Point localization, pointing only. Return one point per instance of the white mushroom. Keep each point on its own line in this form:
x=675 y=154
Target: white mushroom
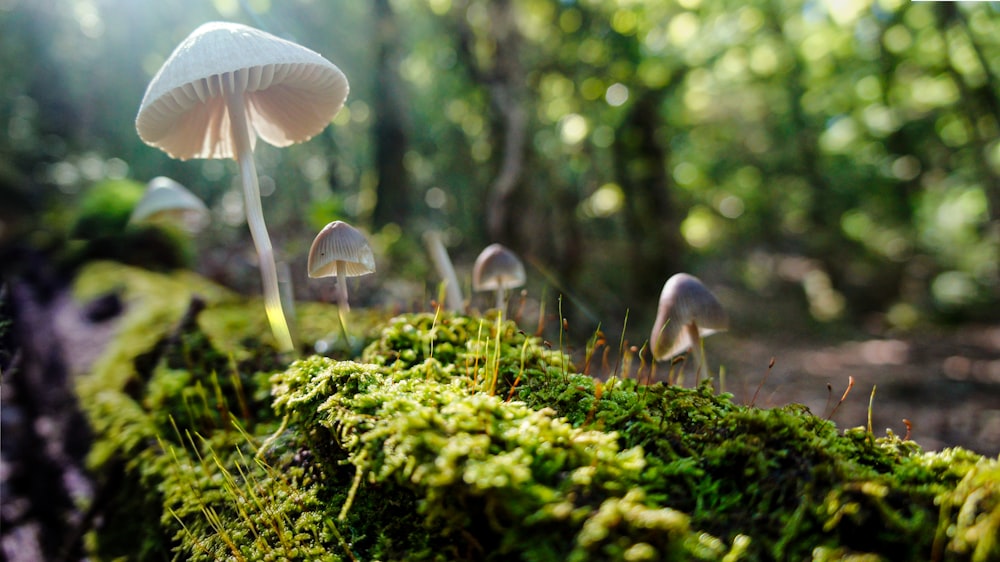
x=168 y=202
x=340 y=250
x=221 y=88
x=687 y=312
x=497 y=269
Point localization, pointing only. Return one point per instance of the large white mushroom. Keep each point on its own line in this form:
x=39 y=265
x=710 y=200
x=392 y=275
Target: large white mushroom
x=687 y=312
x=227 y=84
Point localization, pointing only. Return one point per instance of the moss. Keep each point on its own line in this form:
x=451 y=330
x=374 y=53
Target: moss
x=497 y=478
x=105 y=208
x=158 y=370
x=461 y=438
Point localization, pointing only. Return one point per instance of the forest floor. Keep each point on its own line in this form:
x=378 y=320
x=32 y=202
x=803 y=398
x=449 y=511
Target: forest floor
x=946 y=383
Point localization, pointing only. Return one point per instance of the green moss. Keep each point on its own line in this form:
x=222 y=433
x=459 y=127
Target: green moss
x=458 y=438
x=105 y=208
x=497 y=478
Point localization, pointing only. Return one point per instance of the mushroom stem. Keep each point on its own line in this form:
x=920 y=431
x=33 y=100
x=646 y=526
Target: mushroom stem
x=696 y=350
x=342 y=286
x=500 y=300
x=439 y=255
x=286 y=291
x=255 y=220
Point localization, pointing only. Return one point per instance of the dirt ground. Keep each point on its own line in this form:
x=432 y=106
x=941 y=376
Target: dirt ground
x=945 y=383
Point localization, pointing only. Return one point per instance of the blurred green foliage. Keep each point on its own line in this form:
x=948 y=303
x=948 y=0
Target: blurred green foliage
x=105 y=208
x=846 y=151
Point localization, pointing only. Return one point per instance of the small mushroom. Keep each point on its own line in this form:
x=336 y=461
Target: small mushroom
x=340 y=250
x=497 y=269
x=170 y=203
x=221 y=88
x=687 y=312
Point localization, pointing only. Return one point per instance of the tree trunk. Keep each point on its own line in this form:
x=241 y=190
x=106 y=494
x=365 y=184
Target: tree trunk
x=507 y=94
x=393 y=199
x=652 y=222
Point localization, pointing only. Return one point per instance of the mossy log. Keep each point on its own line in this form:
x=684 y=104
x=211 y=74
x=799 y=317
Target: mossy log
x=461 y=438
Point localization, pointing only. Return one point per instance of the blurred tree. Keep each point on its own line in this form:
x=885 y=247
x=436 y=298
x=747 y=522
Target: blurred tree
x=493 y=59
x=392 y=192
x=651 y=218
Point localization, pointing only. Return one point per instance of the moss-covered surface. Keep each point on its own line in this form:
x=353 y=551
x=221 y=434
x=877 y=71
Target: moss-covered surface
x=458 y=438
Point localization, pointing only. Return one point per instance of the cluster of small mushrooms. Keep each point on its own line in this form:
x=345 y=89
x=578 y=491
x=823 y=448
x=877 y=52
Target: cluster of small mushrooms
x=227 y=84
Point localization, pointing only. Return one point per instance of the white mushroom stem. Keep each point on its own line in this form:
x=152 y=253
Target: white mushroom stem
x=696 y=350
x=439 y=255
x=255 y=219
x=500 y=300
x=342 y=286
x=287 y=291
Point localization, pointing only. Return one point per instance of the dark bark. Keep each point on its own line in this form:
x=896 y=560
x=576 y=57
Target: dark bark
x=46 y=437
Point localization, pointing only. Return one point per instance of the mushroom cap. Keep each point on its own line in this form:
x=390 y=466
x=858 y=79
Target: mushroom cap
x=167 y=202
x=685 y=300
x=340 y=242
x=497 y=268
x=291 y=93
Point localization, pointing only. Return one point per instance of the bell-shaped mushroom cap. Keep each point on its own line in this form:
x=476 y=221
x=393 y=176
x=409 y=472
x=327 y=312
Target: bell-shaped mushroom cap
x=497 y=268
x=291 y=93
x=685 y=300
x=340 y=242
x=167 y=202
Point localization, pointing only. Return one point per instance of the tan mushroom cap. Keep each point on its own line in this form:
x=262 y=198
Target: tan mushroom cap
x=291 y=93
x=166 y=201
x=340 y=242
x=497 y=268
x=685 y=300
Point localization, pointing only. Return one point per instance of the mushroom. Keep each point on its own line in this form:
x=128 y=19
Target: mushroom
x=688 y=312
x=340 y=250
x=499 y=269
x=221 y=88
x=168 y=202
x=439 y=255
